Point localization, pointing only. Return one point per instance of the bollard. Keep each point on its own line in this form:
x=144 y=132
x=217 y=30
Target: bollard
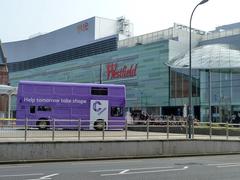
x=210 y=132
x=53 y=129
x=193 y=130
x=147 y=129
x=79 y=129
x=25 y=129
x=227 y=131
x=126 y=129
x=103 y=131
x=167 y=128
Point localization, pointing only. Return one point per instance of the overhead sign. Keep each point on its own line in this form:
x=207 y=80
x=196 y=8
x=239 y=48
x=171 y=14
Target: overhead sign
x=114 y=72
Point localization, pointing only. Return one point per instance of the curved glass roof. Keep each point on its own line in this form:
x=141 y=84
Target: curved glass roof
x=214 y=56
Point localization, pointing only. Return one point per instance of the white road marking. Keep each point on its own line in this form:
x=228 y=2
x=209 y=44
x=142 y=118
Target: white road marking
x=45 y=177
x=122 y=172
x=223 y=164
x=145 y=172
x=230 y=165
x=108 y=170
x=20 y=175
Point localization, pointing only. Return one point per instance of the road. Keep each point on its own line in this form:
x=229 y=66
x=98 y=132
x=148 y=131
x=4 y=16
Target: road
x=179 y=168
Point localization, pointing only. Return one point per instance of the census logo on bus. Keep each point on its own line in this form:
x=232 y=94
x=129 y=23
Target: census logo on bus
x=97 y=107
x=99 y=110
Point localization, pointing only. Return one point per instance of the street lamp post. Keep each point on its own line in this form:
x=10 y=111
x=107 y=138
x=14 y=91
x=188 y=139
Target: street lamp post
x=190 y=116
x=100 y=74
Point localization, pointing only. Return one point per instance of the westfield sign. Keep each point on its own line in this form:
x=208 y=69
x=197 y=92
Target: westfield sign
x=113 y=71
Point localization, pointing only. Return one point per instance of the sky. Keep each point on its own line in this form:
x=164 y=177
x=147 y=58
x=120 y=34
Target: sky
x=20 y=19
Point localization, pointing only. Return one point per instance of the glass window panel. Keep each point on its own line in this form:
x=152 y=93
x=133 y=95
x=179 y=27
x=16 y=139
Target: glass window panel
x=225 y=85
x=215 y=86
x=235 y=87
x=204 y=86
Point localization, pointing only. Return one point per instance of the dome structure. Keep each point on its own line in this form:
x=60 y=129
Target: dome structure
x=214 y=56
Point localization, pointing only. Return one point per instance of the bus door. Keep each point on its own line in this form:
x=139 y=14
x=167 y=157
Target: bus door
x=98 y=114
x=31 y=115
x=44 y=112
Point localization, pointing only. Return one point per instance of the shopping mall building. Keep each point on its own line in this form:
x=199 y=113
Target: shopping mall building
x=154 y=67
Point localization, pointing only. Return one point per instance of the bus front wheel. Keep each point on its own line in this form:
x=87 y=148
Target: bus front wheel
x=42 y=124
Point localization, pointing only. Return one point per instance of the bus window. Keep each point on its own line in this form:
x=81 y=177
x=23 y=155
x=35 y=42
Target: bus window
x=116 y=111
x=32 y=109
x=44 y=108
x=99 y=91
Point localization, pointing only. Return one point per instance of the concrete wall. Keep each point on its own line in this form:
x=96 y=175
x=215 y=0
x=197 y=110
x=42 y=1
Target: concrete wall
x=45 y=151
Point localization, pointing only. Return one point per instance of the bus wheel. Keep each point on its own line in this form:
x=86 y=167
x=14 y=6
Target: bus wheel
x=99 y=125
x=42 y=124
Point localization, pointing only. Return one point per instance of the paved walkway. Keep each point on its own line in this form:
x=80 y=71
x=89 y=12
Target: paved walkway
x=12 y=135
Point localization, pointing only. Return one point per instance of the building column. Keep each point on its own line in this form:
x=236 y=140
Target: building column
x=160 y=110
x=209 y=96
x=9 y=105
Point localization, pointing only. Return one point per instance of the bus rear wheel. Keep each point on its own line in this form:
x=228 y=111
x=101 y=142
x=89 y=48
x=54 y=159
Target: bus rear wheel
x=42 y=124
x=99 y=124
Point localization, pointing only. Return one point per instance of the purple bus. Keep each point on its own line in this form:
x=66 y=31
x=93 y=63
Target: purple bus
x=90 y=106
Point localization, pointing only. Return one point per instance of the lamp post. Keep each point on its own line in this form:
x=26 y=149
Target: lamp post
x=190 y=116
x=100 y=74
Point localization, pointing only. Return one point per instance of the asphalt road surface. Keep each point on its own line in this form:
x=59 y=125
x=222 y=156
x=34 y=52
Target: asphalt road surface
x=179 y=168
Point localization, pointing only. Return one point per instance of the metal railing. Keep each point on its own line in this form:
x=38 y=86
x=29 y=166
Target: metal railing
x=221 y=34
x=147 y=38
x=83 y=130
